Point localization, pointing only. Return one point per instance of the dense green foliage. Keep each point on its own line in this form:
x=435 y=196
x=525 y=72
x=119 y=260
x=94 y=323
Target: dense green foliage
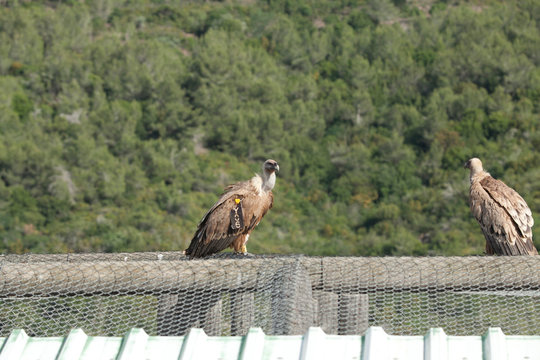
x=122 y=120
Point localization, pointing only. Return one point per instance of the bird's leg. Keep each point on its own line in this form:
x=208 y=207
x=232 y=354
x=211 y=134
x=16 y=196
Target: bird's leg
x=244 y=247
x=239 y=244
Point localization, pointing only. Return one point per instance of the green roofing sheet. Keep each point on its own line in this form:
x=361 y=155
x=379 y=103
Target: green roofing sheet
x=314 y=344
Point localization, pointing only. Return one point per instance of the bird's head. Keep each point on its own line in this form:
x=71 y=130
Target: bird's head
x=474 y=164
x=270 y=166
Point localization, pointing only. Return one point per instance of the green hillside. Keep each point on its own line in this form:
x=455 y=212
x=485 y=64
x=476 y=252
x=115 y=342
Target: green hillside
x=122 y=120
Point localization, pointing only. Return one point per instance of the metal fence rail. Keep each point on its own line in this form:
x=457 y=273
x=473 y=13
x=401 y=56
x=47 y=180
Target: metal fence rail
x=166 y=294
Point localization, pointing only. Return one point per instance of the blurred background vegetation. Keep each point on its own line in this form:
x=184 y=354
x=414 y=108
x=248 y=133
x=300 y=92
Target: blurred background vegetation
x=122 y=120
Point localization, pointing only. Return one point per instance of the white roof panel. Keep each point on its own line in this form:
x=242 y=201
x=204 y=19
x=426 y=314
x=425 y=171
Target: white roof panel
x=376 y=344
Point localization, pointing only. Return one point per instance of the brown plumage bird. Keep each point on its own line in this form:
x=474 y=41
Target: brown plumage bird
x=232 y=218
x=504 y=217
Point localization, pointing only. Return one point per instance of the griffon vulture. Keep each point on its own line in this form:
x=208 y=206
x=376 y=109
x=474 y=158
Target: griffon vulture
x=232 y=218
x=504 y=216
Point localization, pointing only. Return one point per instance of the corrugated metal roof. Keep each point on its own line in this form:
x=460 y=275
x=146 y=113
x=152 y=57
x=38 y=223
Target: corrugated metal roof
x=314 y=344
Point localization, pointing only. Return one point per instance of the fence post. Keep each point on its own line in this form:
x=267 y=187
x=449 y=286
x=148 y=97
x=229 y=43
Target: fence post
x=327 y=311
x=242 y=312
x=212 y=320
x=177 y=313
x=292 y=304
x=165 y=314
x=353 y=314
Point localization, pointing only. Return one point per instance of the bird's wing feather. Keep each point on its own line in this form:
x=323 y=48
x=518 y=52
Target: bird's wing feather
x=504 y=217
x=239 y=188
x=214 y=232
x=511 y=201
x=255 y=207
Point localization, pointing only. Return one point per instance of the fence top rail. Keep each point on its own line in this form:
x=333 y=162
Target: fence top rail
x=179 y=256
x=90 y=274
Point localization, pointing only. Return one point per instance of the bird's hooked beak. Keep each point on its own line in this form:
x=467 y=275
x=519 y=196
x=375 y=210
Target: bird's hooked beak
x=271 y=165
x=467 y=164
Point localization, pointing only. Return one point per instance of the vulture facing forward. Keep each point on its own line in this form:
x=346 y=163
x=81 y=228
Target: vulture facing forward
x=504 y=216
x=232 y=218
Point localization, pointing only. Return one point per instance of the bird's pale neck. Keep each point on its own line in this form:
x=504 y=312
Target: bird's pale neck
x=269 y=180
x=477 y=174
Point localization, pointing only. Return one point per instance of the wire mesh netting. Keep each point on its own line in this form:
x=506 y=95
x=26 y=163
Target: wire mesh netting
x=166 y=294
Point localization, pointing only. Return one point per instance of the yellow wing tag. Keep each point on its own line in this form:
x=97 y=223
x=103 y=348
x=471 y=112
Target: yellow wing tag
x=237 y=218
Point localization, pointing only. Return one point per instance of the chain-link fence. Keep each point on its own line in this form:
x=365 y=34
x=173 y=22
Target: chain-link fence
x=166 y=294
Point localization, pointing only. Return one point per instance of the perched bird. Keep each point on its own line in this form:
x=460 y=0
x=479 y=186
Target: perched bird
x=504 y=216
x=232 y=218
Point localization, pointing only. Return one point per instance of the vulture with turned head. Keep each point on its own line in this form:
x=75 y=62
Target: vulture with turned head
x=504 y=216
x=231 y=219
